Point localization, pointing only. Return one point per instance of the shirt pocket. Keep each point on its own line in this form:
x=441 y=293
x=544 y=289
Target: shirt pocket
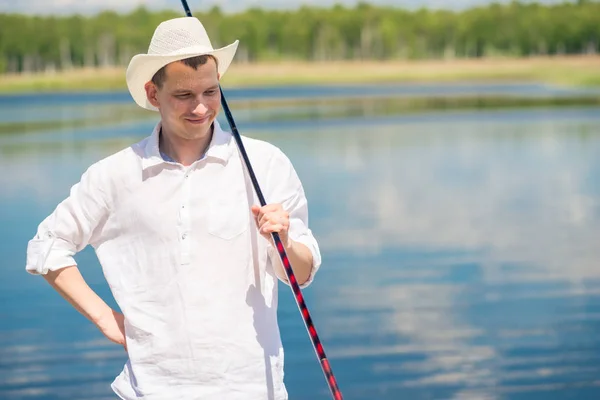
x=228 y=217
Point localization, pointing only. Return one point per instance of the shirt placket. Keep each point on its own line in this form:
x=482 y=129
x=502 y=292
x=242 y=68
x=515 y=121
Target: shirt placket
x=185 y=228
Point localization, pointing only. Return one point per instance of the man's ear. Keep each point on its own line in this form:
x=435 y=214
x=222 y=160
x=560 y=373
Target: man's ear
x=152 y=93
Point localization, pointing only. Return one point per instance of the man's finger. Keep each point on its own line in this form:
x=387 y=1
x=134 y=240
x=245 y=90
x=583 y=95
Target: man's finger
x=272 y=228
x=266 y=227
x=274 y=218
x=268 y=217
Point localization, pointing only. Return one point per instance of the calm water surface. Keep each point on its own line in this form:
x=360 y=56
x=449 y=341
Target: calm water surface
x=460 y=242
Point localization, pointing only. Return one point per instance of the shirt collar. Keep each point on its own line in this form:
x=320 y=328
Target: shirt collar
x=220 y=146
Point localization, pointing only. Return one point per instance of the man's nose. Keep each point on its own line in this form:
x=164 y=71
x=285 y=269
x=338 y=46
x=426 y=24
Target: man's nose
x=201 y=108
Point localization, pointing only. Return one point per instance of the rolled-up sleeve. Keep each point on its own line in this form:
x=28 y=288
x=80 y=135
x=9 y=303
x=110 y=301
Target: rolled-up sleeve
x=286 y=188
x=74 y=223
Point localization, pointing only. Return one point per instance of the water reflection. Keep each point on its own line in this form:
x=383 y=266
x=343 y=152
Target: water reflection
x=531 y=200
x=466 y=229
x=22 y=114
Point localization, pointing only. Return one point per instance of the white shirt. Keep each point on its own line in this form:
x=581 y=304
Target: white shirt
x=182 y=256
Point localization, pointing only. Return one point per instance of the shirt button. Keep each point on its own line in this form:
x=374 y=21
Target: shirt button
x=184 y=236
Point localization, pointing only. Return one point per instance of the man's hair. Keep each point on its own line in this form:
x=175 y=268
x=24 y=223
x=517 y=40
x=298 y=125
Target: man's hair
x=194 y=62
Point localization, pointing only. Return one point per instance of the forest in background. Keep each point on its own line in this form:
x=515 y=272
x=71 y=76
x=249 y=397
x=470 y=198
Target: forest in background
x=364 y=32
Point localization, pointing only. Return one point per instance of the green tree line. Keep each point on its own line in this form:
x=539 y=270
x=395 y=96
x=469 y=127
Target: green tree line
x=36 y=43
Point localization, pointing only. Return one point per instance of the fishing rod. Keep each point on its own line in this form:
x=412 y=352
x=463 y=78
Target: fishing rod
x=316 y=342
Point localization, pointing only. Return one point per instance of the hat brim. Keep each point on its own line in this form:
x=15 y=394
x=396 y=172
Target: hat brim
x=142 y=68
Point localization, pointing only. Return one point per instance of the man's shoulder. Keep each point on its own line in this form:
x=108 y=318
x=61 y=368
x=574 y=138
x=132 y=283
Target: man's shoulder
x=120 y=158
x=126 y=159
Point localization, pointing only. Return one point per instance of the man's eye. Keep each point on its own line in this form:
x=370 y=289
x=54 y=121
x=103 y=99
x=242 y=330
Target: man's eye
x=182 y=96
x=211 y=92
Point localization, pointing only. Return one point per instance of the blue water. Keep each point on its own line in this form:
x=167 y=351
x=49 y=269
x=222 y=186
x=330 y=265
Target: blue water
x=460 y=247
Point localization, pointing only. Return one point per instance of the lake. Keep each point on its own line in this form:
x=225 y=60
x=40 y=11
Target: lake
x=459 y=226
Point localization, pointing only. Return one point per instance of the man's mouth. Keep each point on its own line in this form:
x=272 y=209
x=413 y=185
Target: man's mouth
x=198 y=120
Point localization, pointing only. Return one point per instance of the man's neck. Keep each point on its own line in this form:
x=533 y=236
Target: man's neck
x=185 y=152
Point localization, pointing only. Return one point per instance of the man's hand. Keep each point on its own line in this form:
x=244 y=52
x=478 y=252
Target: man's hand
x=71 y=285
x=112 y=325
x=272 y=218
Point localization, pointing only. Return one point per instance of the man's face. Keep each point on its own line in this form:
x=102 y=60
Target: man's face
x=188 y=100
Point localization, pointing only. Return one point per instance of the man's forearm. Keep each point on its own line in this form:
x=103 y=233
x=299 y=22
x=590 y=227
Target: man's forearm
x=301 y=260
x=71 y=286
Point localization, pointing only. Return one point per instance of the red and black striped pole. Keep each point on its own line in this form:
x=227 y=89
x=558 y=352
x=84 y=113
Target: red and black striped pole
x=316 y=342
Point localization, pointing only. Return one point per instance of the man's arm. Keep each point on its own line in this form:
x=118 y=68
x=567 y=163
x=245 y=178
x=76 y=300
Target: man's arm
x=73 y=288
x=287 y=214
x=273 y=218
x=301 y=260
x=76 y=222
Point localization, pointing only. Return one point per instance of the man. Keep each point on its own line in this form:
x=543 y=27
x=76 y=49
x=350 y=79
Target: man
x=184 y=247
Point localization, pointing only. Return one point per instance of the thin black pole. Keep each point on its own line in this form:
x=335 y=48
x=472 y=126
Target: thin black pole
x=316 y=342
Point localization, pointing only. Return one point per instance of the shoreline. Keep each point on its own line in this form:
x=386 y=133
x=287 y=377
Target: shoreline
x=572 y=71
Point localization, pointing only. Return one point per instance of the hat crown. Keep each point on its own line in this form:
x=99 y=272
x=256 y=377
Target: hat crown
x=177 y=34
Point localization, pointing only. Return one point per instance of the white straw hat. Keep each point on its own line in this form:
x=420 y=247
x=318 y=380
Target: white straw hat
x=173 y=40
